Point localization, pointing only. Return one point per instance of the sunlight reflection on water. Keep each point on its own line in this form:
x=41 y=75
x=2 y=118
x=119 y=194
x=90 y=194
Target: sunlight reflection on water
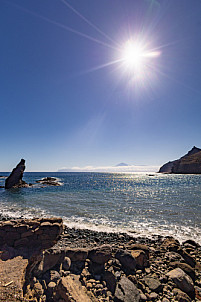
x=165 y=204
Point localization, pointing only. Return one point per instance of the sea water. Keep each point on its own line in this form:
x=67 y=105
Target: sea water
x=139 y=204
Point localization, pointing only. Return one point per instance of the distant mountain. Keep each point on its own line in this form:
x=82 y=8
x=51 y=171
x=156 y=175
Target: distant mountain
x=190 y=163
x=122 y=165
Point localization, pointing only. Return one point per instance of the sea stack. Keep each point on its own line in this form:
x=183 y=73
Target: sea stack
x=190 y=163
x=14 y=180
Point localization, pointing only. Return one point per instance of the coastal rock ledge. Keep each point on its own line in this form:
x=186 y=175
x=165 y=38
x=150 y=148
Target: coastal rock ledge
x=190 y=163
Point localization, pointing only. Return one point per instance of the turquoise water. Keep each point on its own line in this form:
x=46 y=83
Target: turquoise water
x=140 y=204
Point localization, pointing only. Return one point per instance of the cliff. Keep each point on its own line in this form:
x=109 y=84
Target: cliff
x=190 y=163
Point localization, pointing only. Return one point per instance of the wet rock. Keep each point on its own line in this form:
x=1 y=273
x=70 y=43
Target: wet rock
x=182 y=280
x=126 y=291
x=101 y=254
x=49 y=181
x=141 y=258
x=126 y=259
x=153 y=284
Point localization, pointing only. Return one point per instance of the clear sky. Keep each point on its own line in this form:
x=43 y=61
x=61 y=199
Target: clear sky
x=70 y=95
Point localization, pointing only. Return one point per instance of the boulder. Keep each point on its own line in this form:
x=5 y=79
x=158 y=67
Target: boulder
x=181 y=296
x=110 y=280
x=142 y=247
x=96 y=268
x=153 y=283
x=141 y=258
x=182 y=280
x=173 y=256
x=191 y=242
x=76 y=254
x=101 y=254
x=188 y=258
x=49 y=259
x=70 y=289
x=15 y=178
x=126 y=259
x=186 y=268
x=170 y=243
x=126 y=291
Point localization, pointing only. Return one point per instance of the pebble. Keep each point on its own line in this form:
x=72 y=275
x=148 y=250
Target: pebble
x=160 y=260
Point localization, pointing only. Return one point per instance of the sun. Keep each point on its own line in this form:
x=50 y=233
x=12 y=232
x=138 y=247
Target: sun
x=132 y=55
x=135 y=58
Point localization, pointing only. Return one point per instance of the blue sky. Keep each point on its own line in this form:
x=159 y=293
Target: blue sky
x=59 y=108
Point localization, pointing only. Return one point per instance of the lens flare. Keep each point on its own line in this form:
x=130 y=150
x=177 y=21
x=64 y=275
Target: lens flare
x=136 y=58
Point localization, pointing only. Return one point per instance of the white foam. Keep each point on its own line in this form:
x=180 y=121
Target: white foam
x=138 y=229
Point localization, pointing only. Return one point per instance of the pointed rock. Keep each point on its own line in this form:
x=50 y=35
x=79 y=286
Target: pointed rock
x=15 y=178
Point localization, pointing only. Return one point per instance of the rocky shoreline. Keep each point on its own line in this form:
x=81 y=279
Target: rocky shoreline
x=85 y=265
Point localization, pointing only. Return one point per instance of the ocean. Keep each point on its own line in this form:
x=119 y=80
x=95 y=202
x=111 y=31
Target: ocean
x=140 y=204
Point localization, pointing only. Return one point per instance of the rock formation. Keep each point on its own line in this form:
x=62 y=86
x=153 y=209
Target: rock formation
x=187 y=164
x=15 y=178
x=49 y=181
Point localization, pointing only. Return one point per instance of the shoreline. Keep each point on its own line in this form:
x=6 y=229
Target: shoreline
x=110 y=231
x=101 y=266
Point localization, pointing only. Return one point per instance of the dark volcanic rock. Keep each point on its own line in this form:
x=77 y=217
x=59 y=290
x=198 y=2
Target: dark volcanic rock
x=153 y=283
x=126 y=291
x=182 y=280
x=101 y=254
x=167 y=168
x=15 y=178
x=49 y=181
x=126 y=259
x=187 y=164
x=186 y=268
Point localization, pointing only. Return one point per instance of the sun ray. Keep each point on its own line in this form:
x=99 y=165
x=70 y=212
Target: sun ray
x=65 y=2
x=67 y=28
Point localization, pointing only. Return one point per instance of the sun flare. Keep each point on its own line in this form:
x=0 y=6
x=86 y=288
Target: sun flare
x=136 y=58
x=132 y=55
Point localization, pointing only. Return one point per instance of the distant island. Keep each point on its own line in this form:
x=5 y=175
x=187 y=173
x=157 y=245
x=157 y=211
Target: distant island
x=190 y=163
x=122 y=165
